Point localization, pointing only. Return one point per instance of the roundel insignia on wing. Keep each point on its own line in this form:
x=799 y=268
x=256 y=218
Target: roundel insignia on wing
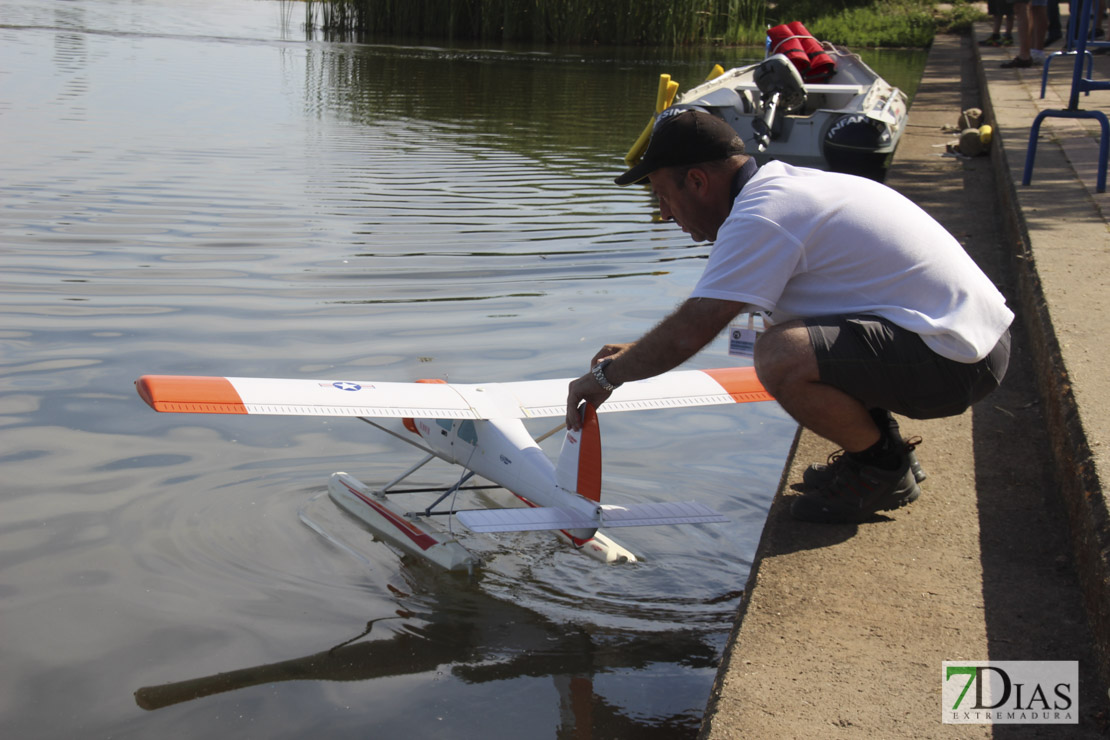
x=344 y=385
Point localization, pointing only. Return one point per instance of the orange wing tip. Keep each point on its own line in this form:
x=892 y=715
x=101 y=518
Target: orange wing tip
x=740 y=383
x=190 y=395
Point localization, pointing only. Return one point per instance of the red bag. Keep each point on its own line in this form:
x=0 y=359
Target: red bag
x=821 y=65
x=803 y=50
x=785 y=41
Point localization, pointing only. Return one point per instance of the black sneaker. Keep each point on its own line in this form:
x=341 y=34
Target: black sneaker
x=856 y=492
x=821 y=474
x=1017 y=63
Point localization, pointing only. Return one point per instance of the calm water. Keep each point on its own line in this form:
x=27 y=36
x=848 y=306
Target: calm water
x=191 y=187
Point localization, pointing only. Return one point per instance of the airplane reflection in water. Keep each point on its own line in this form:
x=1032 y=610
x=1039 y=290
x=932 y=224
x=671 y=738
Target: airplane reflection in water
x=483 y=639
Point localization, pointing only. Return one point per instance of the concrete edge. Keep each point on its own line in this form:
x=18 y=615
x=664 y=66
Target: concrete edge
x=1080 y=487
x=774 y=515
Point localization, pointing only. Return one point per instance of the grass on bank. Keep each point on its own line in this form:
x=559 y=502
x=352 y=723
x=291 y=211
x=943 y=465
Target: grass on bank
x=886 y=23
x=854 y=23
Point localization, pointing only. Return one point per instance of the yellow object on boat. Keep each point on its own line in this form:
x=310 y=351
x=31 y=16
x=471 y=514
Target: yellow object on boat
x=985 y=133
x=638 y=148
x=716 y=72
x=664 y=96
x=672 y=89
x=661 y=93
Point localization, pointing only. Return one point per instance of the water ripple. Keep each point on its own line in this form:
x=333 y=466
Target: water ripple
x=189 y=187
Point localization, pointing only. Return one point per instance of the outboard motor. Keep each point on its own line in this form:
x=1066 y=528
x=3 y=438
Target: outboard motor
x=782 y=90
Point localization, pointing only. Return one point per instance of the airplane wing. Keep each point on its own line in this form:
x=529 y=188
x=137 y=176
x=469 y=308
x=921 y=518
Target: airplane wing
x=513 y=400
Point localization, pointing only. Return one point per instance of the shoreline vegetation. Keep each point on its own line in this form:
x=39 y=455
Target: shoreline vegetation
x=853 y=23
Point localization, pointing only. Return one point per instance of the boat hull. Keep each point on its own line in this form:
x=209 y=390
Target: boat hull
x=850 y=123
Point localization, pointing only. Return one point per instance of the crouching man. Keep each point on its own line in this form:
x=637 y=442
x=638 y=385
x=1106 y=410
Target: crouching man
x=872 y=307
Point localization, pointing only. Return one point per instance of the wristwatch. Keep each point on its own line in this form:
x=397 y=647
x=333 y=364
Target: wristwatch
x=599 y=376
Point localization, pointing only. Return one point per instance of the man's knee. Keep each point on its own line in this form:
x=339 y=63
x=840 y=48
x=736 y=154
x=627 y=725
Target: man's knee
x=784 y=355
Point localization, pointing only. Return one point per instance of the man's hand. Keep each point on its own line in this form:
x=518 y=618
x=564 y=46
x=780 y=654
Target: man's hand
x=612 y=351
x=587 y=388
x=673 y=341
x=582 y=389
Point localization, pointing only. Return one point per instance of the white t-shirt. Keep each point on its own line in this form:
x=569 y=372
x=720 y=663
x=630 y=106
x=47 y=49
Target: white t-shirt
x=802 y=243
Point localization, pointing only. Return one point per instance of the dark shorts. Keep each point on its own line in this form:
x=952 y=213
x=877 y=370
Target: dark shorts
x=887 y=367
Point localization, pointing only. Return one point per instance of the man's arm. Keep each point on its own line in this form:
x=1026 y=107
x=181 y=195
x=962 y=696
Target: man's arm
x=674 y=340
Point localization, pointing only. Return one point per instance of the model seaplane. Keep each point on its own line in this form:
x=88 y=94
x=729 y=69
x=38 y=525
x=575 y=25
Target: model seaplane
x=481 y=428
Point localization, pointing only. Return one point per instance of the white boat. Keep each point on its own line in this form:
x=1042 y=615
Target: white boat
x=850 y=122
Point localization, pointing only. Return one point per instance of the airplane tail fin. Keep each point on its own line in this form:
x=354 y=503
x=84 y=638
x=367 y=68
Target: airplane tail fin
x=579 y=466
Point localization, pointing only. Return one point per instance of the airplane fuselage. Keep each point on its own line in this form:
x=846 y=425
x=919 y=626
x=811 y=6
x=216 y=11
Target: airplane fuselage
x=503 y=451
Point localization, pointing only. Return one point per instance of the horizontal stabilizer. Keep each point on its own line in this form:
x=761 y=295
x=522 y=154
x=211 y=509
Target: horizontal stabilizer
x=636 y=515
x=523 y=520
x=667 y=512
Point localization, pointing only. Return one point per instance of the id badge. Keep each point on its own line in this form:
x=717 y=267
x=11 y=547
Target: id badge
x=741 y=339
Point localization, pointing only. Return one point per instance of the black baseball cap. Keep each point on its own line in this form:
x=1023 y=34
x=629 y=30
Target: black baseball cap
x=684 y=136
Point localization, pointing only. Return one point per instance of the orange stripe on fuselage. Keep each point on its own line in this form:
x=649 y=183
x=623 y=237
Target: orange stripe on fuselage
x=740 y=383
x=190 y=395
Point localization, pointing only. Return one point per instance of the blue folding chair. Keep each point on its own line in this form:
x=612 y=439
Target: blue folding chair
x=1070 y=39
x=1079 y=84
